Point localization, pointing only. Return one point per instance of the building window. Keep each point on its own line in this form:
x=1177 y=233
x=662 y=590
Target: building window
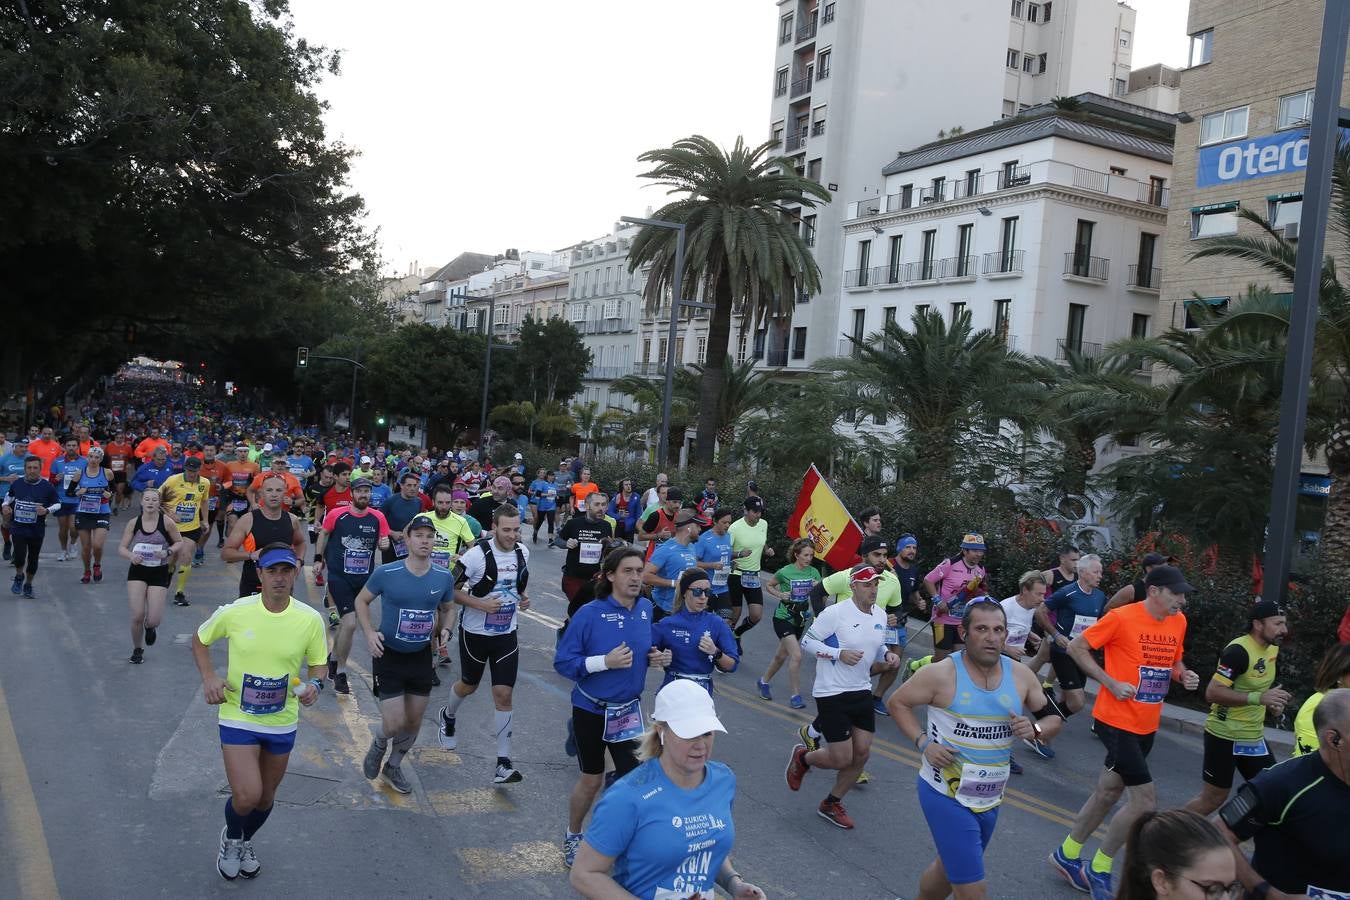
x=1148 y=251
x=972 y=182
x=1044 y=57
x=958 y=308
x=785 y=30
x=906 y=196
x=1124 y=38
x=701 y=348
x=1002 y=319
x=1013 y=58
x=1117 y=170
x=829 y=13
x=1227 y=125
x=780 y=82
x=864 y=260
x=799 y=343
x=740 y=348
x=1295 y=110
x=1008 y=174
x=813 y=170
x=1122 y=87
x=1028 y=63
x=965 y=263
x=1017 y=9
x=894 y=259
x=1139 y=326
x=929 y=252
x=1082 y=248
x=888 y=316
x=1007 y=244
x=1199 y=311
x=823 y=65
x=809 y=230
x=1045 y=12
x=1073 y=333
x=663 y=348
x=1033 y=12
x=1211 y=221
x=1202 y=47
x=679 y=351
x=939 y=189
x=920 y=309
x=778 y=132
x=1009 y=109
x=1287 y=210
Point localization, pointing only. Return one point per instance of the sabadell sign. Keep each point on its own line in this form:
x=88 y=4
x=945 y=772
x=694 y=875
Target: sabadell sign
x=1277 y=154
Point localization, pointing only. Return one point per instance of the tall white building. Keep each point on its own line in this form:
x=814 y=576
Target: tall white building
x=604 y=302
x=858 y=80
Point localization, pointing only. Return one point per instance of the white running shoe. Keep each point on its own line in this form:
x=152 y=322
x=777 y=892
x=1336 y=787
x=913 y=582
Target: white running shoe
x=506 y=775
x=228 y=860
x=446 y=733
x=248 y=861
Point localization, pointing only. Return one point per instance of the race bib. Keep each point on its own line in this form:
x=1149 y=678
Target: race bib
x=356 y=562
x=149 y=553
x=239 y=479
x=892 y=637
x=400 y=549
x=551 y=493
x=623 y=723
x=1153 y=684
x=1081 y=624
x=590 y=553
x=440 y=558
x=749 y=579
x=90 y=502
x=414 y=625
x=499 y=622
x=262 y=696
x=799 y=590
x=212 y=503
x=1316 y=893
x=1250 y=748
x=117 y=465
x=186 y=512
x=1017 y=636
x=25 y=512
x=981 y=786
x=238 y=506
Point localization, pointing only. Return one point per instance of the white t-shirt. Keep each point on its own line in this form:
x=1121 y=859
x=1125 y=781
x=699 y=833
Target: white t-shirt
x=1019 y=622
x=852 y=630
x=475 y=621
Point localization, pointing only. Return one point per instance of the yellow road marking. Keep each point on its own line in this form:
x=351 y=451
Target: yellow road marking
x=516 y=861
x=474 y=800
x=20 y=819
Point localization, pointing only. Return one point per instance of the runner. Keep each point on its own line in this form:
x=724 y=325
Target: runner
x=1143 y=644
x=452 y=531
x=791 y=586
x=1136 y=590
x=749 y=537
x=978 y=704
x=699 y=641
x=1240 y=691
x=1177 y=854
x=338 y=495
x=93 y=513
x=851 y=636
x=46 y=448
x=1295 y=814
x=544 y=490
x=186 y=497
x=624 y=509
x=11 y=470
x=66 y=473
x=671 y=558
x=1066 y=572
x=215 y=471
x=27 y=506
x=293 y=499
x=491 y=588
x=837 y=588
x=1020 y=611
x=459 y=505
x=379 y=491
x=659 y=525
x=268 y=524
x=346 y=548
x=652 y=495
x=145 y=450
x=1332 y=672
x=584 y=537
x=242 y=472
x=951 y=584
x=270 y=636
x=606 y=650
x=415 y=604
x=581 y=489
x=314 y=491
x=121 y=460
x=151 y=542
x=399 y=510
x=152 y=472
x=907 y=570
x=1076 y=607
x=713 y=550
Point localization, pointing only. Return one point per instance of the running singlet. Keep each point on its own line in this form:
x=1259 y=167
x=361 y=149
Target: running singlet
x=503 y=621
x=266 y=650
x=241 y=473
x=185 y=501
x=93 y=487
x=117 y=455
x=352 y=539
x=1246 y=667
x=66 y=473
x=1140 y=650
x=408 y=603
x=152 y=546
x=745 y=536
x=977 y=729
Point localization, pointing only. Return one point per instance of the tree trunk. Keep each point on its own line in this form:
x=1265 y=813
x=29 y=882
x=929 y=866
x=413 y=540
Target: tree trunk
x=1335 y=541
x=714 y=372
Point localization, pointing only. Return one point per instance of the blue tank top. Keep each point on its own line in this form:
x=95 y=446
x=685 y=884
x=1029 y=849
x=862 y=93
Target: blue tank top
x=91 y=501
x=977 y=727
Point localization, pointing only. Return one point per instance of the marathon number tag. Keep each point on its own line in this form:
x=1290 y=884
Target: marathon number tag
x=590 y=553
x=1316 y=893
x=749 y=579
x=1153 y=684
x=400 y=548
x=891 y=636
x=262 y=696
x=212 y=503
x=356 y=562
x=118 y=465
x=623 y=723
x=90 y=502
x=799 y=590
x=981 y=786
x=25 y=512
x=185 y=512
x=414 y=625
x=149 y=553
x=440 y=558
x=1250 y=748
x=1081 y=624
x=499 y=622
x=238 y=506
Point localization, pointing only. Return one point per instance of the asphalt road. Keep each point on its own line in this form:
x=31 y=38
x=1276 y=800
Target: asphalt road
x=111 y=782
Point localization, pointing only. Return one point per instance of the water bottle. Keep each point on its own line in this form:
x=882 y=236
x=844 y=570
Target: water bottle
x=297 y=686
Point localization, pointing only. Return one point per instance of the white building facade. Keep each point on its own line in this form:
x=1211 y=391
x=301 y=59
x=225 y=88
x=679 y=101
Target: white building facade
x=604 y=302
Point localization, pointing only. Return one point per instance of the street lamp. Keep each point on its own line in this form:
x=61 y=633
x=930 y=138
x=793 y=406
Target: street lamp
x=302 y=358
x=487 y=369
x=677 y=302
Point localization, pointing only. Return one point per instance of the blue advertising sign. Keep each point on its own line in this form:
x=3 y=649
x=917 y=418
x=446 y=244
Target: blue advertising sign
x=1276 y=154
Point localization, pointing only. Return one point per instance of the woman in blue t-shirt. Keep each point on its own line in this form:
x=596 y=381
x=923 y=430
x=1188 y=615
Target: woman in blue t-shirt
x=665 y=829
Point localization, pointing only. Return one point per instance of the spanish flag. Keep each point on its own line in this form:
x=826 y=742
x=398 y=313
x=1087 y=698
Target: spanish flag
x=822 y=518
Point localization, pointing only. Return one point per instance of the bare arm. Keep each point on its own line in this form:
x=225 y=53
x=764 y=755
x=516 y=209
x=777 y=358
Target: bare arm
x=651 y=576
x=376 y=640
x=1122 y=597
x=233 y=550
x=213 y=686
x=591 y=876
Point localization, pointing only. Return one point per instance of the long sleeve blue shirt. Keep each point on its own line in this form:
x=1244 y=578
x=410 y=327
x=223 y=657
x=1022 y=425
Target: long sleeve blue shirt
x=597 y=628
x=680 y=634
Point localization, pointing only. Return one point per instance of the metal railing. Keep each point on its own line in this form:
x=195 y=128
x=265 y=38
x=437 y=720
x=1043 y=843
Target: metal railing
x=818 y=128
x=1155 y=195
x=796 y=140
x=933 y=194
x=956 y=267
x=807 y=30
x=1080 y=265
x=894 y=273
x=1148 y=277
x=857 y=278
x=925 y=270
x=801 y=86
x=1064 y=346
x=1004 y=262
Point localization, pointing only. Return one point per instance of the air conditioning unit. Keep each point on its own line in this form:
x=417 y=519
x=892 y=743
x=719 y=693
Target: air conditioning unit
x=1291 y=231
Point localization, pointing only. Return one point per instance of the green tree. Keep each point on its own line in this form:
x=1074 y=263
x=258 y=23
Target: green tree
x=801 y=428
x=552 y=360
x=744 y=249
x=744 y=392
x=549 y=420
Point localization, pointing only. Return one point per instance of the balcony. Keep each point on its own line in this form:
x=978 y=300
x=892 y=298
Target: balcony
x=818 y=128
x=807 y=30
x=1003 y=264
x=857 y=278
x=1064 y=346
x=1086 y=268
x=796 y=141
x=956 y=268
x=800 y=87
x=894 y=275
x=1155 y=195
x=925 y=270
x=1144 y=278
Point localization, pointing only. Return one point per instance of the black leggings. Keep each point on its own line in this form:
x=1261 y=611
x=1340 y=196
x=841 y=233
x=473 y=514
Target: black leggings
x=26 y=550
x=753 y=596
x=540 y=516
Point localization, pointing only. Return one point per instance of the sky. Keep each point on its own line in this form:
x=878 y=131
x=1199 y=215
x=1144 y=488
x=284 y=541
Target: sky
x=517 y=123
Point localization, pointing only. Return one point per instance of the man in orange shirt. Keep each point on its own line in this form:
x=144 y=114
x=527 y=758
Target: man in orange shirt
x=216 y=472
x=122 y=462
x=85 y=438
x=292 y=500
x=46 y=449
x=582 y=488
x=241 y=475
x=146 y=448
x=1143 y=645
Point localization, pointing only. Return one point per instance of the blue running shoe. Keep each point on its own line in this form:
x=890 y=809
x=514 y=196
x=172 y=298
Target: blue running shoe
x=764 y=692
x=1074 y=871
x=16 y=587
x=1101 y=885
x=879 y=707
x=796 y=702
x=1044 y=751
x=1014 y=766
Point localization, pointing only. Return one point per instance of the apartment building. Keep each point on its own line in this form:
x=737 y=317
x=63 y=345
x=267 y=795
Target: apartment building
x=604 y=302
x=434 y=290
x=856 y=81
x=465 y=298
x=509 y=301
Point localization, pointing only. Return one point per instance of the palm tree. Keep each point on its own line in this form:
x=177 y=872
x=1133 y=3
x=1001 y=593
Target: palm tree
x=549 y=418
x=643 y=423
x=593 y=423
x=1274 y=253
x=743 y=247
x=744 y=392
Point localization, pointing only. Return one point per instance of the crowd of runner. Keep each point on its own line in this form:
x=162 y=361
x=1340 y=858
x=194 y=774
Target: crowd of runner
x=657 y=578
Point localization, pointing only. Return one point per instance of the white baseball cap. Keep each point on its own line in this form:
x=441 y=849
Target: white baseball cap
x=687 y=709
x=267 y=448
x=518 y=456
x=365 y=460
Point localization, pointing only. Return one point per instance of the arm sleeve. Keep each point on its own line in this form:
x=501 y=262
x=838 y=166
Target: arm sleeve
x=1056 y=600
x=375 y=583
x=1233 y=661
x=726 y=641
x=613 y=824
x=821 y=630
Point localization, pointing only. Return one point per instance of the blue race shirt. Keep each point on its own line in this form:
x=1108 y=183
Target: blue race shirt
x=711 y=548
x=545 y=494
x=66 y=474
x=380 y=494
x=300 y=466
x=680 y=634
x=150 y=475
x=10 y=464
x=595 y=629
x=1075 y=610
x=670 y=560
x=666 y=841
x=94 y=487
x=408 y=603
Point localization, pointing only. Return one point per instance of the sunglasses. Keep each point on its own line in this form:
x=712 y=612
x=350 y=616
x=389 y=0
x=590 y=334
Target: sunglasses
x=699 y=592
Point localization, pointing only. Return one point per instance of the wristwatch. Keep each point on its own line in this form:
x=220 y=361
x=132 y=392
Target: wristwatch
x=718 y=655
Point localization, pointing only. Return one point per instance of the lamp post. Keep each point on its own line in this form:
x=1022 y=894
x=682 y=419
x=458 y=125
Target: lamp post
x=1328 y=118
x=351 y=410
x=487 y=370
x=677 y=302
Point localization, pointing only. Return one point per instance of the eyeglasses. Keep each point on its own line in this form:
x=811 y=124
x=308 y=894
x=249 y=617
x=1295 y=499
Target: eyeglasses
x=698 y=592
x=1215 y=891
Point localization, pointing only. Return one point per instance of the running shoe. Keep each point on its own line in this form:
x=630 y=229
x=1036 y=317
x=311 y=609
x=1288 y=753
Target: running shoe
x=833 y=812
x=1101 y=885
x=394 y=777
x=1014 y=766
x=570 y=844
x=137 y=656
x=16 y=585
x=199 y=557
x=808 y=742
x=61 y=556
x=1044 y=751
x=1071 y=870
x=796 y=768
x=220 y=543
x=98 y=573
x=248 y=861
x=332 y=619
x=446 y=733
x=879 y=706
x=227 y=861
x=318 y=579
x=179 y=599
x=28 y=592
x=796 y=702
x=86 y=577
x=506 y=774
x=370 y=766
x=151 y=635
x=764 y=692
x=863 y=777
x=340 y=684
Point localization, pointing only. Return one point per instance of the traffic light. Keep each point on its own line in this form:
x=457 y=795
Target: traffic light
x=379 y=420
x=302 y=357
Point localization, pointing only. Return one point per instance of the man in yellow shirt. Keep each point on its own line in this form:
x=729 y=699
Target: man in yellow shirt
x=185 y=496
